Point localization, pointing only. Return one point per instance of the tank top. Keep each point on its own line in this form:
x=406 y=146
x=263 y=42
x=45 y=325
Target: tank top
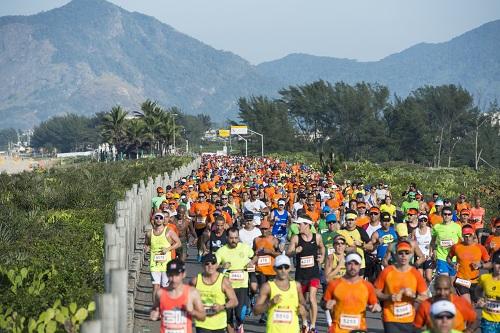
x=283 y=317
x=216 y=242
x=173 y=318
x=280 y=223
x=424 y=241
x=265 y=263
x=410 y=228
x=386 y=238
x=335 y=263
x=307 y=265
x=157 y=260
x=212 y=294
x=370 y=230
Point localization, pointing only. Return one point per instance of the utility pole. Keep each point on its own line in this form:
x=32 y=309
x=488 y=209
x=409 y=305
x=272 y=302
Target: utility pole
x=261 y=141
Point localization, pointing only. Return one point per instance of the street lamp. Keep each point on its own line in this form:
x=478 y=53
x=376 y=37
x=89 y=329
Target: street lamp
x=173 y=132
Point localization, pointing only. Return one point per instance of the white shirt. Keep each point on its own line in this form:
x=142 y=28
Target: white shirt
x=247 y=236
x=296 y=207
x=255 y=207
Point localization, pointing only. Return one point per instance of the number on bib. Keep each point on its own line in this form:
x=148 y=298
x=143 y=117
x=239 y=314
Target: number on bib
x=160 y=257
x=282 y=317
x=174 y=320
x=446 y=243
x=462 y=282
x=492 y=306
x=306 y=262
x=402 y=310
x=236 y=276
x=201 y=219
x=350 y=322
x=264 y=261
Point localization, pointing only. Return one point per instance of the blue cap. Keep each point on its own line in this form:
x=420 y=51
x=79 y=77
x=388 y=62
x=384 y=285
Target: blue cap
x=331 y=218
x=326 y=209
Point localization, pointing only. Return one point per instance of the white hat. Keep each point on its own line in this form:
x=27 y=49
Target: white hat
x=301 y=220
x=442 y=306
x=334 y=187
x=353 y=257
x=439 y=203
x=281 y=202
x=282 y=259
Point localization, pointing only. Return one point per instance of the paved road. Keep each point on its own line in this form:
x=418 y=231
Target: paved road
x=143 y=303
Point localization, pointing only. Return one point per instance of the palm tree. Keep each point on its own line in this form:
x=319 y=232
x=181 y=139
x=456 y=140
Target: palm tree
x=151 y=114
x=113 y=127
x=136 y=135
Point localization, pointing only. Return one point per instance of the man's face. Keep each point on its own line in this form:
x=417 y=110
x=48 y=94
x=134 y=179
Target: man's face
x=361 y=210
x=253 y=195
x=374 y=216
x=175 y=279
x=233 y=239
x=352 y=268
x=443 y=322
x=210 y=267
x=282 y=271
x=447 y=215
x=468 y=239
x=351 y=223
x=181 y=211
x=442 y=289
x=265 y=231
x=332 y=226
x=464 y=218
x=219 y=225
x=386 y=224
x=404 y=257
x=202 y=197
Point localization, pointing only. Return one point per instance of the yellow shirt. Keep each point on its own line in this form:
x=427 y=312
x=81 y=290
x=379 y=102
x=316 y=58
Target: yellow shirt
x=491 y=287
x=391 y=209
x=283 y=317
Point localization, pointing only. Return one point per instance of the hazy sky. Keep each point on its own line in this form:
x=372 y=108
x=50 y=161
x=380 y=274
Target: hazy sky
x=262 y=30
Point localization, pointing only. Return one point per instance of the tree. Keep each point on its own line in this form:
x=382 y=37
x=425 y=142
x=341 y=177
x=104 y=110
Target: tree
x=114 y=127
x=7 y=135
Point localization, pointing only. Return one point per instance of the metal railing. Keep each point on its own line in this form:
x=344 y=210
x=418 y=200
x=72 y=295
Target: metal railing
x=123 y=255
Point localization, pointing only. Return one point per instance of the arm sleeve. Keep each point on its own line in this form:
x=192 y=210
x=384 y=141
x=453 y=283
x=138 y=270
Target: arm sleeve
x=330 y=289
x=364 y=236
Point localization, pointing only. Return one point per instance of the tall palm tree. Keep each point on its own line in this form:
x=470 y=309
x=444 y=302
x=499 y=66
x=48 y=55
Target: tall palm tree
x=113 y=127
x=151 y=114
x=136 y=135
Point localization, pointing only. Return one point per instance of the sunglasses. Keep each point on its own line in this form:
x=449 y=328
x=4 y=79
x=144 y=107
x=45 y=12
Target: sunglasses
x=404 y=252
x=444 y=316
x=423 y=219
x=339 y=243
x=373 y=213
x=202 y=197
x=412 y=214
x=282 y=267
x=350 y=220
x=159 y=217
x=447 y=214
x=210 y=263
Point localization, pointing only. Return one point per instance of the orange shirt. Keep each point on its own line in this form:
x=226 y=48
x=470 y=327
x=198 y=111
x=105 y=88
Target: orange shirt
x=492 y=243
x=477 y=214
x=202 y=211
x=391 y=281
x=362 y=220
x=265 y=263
x=459 y=206
x=205 y=187
x=465 y=313
x=466 y=255
x=313 y=214
x=333 y=203
x=349 y=312
x=435 y=219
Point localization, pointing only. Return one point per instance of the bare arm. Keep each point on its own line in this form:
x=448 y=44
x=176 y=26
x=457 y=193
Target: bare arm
x=174 y=240
x=292 y=246
x=321 y=246
x=155 y=309
x=262 y=303
x=232 y=301
x=195 y=306
x=419 y=254
x=387 y=257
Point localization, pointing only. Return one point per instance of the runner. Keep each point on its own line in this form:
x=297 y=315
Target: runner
x=235 y=257
x=217 y=296
x=280 y=219
x=200 y=212
x=255 y=206
x=309 y=252
x=422 y=235
x=178 y=303
x=156 y=201
x=399 y=286
x=465 y=316
x=282 y=299
x=388 y=207
x=381 y=240
x=348 y=308
x=218 y=237
x=488 y=294
x=444 y=236
x=492 y=243
x=442 y=314
x=360 y=237
x=185 y=229
x=470 y=258
x=160 y=241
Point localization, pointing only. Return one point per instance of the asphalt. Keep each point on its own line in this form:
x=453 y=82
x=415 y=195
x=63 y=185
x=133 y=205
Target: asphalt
x=143 y=303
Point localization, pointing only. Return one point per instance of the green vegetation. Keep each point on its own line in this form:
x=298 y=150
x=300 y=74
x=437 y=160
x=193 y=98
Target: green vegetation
x=433 y=126
x=51 y=235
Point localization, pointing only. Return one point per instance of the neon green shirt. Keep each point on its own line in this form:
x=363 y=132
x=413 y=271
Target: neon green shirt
x=239 y=257
x=446 y=236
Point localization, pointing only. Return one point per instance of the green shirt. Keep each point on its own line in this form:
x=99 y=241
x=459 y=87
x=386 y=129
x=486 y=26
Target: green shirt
x=327 y=239
x=156 y=201
x=322 y=226
x=294 y=230
x=446 y=236
x=239 y=257
x=407 y=205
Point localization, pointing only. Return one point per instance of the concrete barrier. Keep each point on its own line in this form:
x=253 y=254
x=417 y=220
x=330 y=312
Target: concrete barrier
x=123 y=254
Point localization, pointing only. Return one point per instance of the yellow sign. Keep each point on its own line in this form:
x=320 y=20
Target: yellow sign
x=239 y=129
x=224 y=133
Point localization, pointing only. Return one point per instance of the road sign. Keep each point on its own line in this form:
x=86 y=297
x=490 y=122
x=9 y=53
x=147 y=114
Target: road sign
x=239 y=129
x=224 y=133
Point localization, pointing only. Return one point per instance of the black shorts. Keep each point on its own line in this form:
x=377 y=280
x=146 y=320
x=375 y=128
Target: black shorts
x=200 y=232
x=462 y=290
x=259 y=278
x=204 y=330
x=236 y=316
x=428 y=264
x=399 y=327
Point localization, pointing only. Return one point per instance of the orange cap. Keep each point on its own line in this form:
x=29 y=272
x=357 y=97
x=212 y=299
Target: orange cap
x=374 y=210
x=465 y=211
x=412 y=211
x=403 y=246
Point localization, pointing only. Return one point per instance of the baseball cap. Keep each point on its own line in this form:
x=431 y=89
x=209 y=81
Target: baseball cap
x=385 y=217
x=423 y=217
x=281 y=202
x=248 y=216
x=282 y=259
x=175 y=266
x=210 y=257
x=351 y=216
x=361 y=204
x=412 y=211
x=353 y=257
x=374 y=210
x=331 y=218
x=402 y=229
x=327 y=209
x=403 y=246
x=442 y=306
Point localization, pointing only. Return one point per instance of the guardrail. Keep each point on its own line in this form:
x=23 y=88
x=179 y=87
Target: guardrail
x=123 y=255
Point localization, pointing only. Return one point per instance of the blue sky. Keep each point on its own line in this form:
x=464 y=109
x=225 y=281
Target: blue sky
x=263 y=30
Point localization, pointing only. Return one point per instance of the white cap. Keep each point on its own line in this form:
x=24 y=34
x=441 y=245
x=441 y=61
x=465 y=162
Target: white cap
x=301 y=220
x=353 y=257
x=334 y=187
x=281 y=202
x=282 y=259
x=439 y=203
x=442 y=306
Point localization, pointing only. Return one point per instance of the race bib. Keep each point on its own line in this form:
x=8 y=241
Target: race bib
x=402 y=310
x=174 y=321
x=282 y=317
x=306 y=262
x=264 y=261
x=160 y=257
x=350 y=322
x=446 y=243
x=236 y=276
x=209 y=310
x=251 y=269
x=462 y=282
x=331 y=251
x=492 y=306
x=201 y=220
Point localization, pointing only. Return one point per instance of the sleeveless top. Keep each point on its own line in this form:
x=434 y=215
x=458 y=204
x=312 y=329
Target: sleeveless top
x=212 y=294
x=283 y=317
x=216 y=242
x=265 y=263
x=173 y=318
x=307 y=265
x=280 y=223
x=385 y=238
x=157 y=260
x=424 y=241
x=335 y=263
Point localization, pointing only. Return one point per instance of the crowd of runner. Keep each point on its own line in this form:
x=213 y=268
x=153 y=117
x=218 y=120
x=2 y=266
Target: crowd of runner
x=284 y=242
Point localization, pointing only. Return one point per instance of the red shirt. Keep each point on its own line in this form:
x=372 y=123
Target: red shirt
x=173 y=312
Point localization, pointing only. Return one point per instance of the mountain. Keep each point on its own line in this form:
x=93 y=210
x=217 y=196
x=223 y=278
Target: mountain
x=471 y=60
x=90 y=55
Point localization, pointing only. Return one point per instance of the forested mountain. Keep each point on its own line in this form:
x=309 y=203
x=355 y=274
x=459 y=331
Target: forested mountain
x=90 y=55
